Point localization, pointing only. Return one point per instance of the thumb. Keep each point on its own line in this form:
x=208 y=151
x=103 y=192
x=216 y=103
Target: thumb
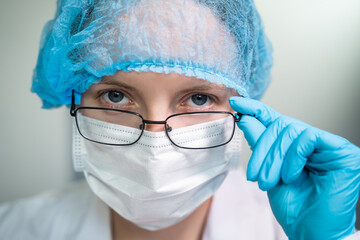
x=252 y=129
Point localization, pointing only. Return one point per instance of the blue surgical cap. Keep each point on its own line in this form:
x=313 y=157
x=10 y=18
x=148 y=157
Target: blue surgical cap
x=221 y=41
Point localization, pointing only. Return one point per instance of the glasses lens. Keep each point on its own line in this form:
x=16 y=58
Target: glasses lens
x=201 y=130
x=109 y=126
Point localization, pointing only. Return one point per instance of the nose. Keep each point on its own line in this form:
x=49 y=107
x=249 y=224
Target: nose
x=155 y=117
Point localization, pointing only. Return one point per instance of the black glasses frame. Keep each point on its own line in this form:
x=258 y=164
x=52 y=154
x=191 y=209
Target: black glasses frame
x=74 y=110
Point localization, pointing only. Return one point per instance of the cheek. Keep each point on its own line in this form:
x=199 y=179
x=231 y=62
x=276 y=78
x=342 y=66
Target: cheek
x=89 y=97
x=232 y=93
x=86 y=99
x=229 y=109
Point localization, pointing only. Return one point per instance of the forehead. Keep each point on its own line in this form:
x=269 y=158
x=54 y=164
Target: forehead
x=148 y=81
x=184 y=36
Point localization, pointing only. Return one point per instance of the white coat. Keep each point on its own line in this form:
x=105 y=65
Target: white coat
x=239 y=210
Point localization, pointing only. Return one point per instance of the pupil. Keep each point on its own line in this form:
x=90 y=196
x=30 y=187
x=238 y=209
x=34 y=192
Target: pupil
x=115 y=96
x=199 y=99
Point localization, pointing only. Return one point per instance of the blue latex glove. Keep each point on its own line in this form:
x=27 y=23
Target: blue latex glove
x=312 y=176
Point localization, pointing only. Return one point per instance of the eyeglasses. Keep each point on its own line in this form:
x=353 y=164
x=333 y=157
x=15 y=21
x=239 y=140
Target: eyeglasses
x=220 y=123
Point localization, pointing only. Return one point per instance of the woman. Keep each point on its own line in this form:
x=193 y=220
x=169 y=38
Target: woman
x=148 y=83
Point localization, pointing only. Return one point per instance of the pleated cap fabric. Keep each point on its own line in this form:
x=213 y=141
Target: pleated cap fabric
x=220 y=41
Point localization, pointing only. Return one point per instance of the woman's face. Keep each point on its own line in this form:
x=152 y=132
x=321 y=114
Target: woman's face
x=157 y=95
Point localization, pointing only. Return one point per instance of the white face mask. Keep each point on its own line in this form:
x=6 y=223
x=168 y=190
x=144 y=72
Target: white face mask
x=153 y=183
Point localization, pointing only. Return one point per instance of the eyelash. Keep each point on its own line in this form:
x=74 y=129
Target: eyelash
x=101 y=94
x=213 y=99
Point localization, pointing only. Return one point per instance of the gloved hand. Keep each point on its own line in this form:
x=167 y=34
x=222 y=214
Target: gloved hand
x=312 y=176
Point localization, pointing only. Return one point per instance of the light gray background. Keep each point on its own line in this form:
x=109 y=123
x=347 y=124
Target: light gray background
x=315 y=79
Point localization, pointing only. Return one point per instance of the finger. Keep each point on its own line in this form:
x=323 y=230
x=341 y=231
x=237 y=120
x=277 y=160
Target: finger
x=330 y=152
x=319 y=150
x=246 y=106
x=270 y=171
x=252 y=129
x=263 y=146
x=298 y=153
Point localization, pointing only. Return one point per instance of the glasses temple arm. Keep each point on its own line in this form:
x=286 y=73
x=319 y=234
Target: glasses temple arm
x=72 y=107
x=238 y=117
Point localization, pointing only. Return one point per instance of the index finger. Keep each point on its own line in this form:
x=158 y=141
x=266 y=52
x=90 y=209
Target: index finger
x=246 y=106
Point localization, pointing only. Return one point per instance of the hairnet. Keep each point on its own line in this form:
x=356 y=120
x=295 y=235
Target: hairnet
x=221 y=41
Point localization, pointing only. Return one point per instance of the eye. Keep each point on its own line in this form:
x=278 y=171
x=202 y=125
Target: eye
x=198 y=100
x=115 y=97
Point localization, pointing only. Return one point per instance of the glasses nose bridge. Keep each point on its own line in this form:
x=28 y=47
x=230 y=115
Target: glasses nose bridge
x=148 y=125
x=154 y=122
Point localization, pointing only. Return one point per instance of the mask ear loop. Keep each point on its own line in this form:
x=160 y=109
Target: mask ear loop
x=78 y=149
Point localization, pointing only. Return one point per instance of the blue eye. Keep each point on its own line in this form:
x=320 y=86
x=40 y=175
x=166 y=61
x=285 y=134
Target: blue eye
x=115 y=97
x=199 y=99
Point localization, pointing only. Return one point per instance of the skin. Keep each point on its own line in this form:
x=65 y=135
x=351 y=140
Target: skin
x=156 y=96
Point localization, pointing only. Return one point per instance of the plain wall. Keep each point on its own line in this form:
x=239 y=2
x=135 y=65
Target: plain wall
x=315 y=79
x=35 y=143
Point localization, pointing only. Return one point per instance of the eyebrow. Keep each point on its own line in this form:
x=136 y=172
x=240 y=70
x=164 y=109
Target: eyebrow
x=108 y=81
x=200 y=88
x=204 y=87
